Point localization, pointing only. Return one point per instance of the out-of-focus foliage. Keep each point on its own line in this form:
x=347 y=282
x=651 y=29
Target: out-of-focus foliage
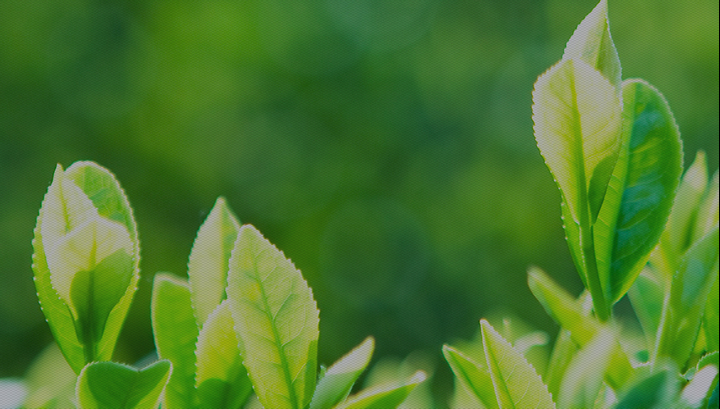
x=385 y=146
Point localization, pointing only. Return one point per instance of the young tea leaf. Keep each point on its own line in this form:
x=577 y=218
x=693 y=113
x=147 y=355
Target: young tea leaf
x=592 y=43
x=175 y=334
x=691 y=286
x=569 y=313
x=86 y=261
x=577 y=116
x=517 y=385
x=677 y=237
x=276 y=320
x=641 y=191
x=337 y=380
x=562 y=354
x=386 y=396
x=656 y=391
x=584 y=376
x=208 y=266
x=473 y=376
x=646 y=296
x=109 y=385
x=221 y=379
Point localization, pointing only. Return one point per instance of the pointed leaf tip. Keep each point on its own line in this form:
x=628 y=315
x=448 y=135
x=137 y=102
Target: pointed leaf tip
x=516 y=383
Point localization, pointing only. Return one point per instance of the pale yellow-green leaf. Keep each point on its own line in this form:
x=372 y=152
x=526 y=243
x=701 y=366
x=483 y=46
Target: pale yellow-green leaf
x=576 y=112
x=276 y=320
x=208 y=265
x=592 y=43
x=517 y=385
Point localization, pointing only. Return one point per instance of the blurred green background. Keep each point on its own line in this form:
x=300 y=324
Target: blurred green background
x=385 y=146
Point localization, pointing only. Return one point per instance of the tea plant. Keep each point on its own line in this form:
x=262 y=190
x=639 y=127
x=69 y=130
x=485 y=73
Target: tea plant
x=245 y=320
x=615 y=152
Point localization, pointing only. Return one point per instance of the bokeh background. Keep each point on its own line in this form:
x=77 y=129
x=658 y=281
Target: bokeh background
x=385 y=146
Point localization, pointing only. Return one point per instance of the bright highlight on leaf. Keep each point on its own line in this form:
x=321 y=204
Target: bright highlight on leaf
x=208 y=266
x=86 y=261
x=516 y=383
x=592 y=43
x=276 y=320
x=335 y=385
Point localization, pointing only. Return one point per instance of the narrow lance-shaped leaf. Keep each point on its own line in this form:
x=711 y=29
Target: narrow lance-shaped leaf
x=386 y=396
x=473 y=376
x=592 y=43
x=563 y=352
x=337 y=381
x=646 y=296
x=570 y=314
x=677 y=237
x=708 y=213
x=577 y=116
x=517 y=385
x=208 y=265
x=109 y=385
x=175 y=334
x=711 y=319
x=276 y=320
x=683 y=310
x=85 y=261
x=584 y=376
x=641 y=191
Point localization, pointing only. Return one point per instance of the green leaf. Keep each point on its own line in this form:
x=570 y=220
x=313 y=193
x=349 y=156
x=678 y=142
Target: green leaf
x=208 y=266
x=86 y=261
x=656 y=391
x=641 y=191
x=577 y=116
x=276 y=320
x=678 y=234
x=221 y=379
x=583 y=378
x=569 y=313
x=473 y=376
x=592 y=43
x=109 y=385
x=646 y=296
x=175 y=334
x=337 y=381
x=708 y=214
x=517 y=385
x=689 y=292
x=710 y=318
x=386 y=396
x=562 y=354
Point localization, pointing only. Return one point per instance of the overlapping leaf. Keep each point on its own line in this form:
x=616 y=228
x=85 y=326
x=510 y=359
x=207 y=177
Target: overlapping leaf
x=641 y=192
x=276 y=320
x=109 y=385
x=221 y=379
x=208 y=265
x=569 y=313
x=86 y=261
x=386 y=396
x=689 y=292
x=473 y=376
x=517 y=385
x=577 y=116
x=175 y=334
x=592 y=43
x=337 y=381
